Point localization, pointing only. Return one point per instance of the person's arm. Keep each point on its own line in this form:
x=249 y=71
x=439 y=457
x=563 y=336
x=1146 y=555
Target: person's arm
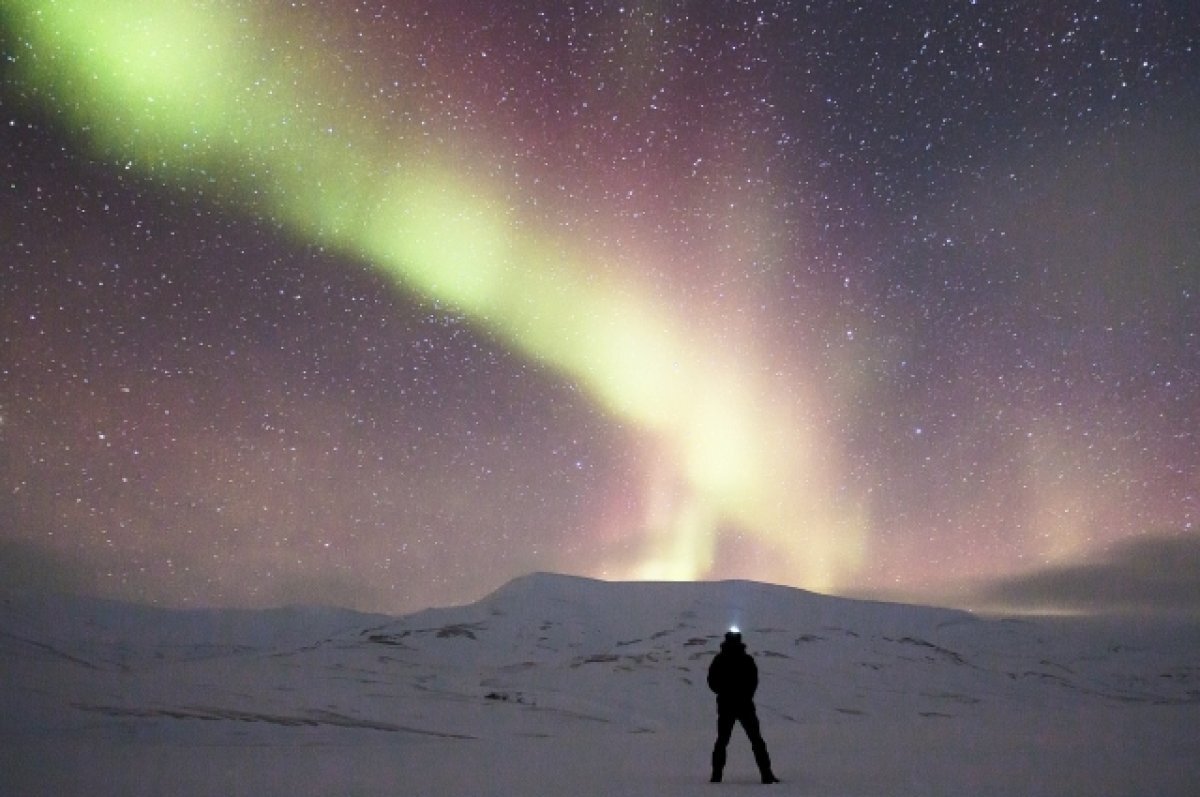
x=714 y=675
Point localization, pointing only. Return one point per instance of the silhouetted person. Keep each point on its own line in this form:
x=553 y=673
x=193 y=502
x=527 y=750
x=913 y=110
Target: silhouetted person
x=733 y=676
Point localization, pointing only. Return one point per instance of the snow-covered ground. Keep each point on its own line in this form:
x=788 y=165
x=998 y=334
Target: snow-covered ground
x=561 y=685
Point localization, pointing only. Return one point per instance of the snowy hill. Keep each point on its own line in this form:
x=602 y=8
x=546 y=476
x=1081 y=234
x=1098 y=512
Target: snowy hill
x=557 y=685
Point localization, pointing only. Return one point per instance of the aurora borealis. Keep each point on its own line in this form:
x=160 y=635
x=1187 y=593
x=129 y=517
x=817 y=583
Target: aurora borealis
x=384 y=304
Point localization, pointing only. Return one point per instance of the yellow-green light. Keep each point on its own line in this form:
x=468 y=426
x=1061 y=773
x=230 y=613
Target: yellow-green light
x=209 y=95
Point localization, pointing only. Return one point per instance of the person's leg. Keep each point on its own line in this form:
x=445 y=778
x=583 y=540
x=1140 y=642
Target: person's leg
x=725 y=720
x=749 y=720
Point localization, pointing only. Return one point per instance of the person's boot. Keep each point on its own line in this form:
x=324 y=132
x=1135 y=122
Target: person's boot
x=718 y=765
x=764 y=763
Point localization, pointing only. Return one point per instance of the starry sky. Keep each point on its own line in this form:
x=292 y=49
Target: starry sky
x=382 y=304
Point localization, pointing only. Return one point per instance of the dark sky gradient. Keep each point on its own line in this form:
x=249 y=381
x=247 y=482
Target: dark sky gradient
x=960 y=242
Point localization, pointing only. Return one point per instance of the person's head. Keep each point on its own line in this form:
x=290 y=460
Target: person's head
x=733 y=640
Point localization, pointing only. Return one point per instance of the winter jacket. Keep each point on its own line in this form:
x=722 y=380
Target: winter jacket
x=733 y=675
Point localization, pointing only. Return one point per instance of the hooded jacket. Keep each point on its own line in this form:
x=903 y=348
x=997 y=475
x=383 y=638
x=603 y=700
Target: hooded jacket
x=733 y=675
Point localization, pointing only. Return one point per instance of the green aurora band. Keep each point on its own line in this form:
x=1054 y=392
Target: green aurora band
x=206 y=95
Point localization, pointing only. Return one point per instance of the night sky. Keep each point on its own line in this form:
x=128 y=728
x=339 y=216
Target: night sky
x=382 y=304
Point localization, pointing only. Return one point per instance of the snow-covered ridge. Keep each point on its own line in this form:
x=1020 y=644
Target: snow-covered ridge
x=568 y=673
